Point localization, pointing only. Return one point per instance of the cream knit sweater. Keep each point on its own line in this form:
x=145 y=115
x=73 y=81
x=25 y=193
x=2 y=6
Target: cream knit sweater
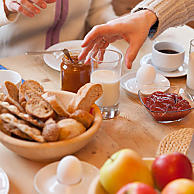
x=170 y=13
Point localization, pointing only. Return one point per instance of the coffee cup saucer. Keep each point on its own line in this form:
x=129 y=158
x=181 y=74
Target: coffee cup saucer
x=129 y=84
x=181 y=71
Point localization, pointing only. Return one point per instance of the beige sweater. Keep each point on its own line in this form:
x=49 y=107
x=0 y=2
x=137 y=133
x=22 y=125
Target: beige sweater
x=170 y=13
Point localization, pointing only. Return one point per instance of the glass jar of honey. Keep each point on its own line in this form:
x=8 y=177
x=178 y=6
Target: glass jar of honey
x=74 y=75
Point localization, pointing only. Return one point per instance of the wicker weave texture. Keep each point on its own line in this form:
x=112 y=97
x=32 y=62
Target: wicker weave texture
x=176 y=141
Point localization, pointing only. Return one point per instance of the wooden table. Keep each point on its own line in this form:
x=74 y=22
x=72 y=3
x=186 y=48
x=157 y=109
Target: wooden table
x=139 y=132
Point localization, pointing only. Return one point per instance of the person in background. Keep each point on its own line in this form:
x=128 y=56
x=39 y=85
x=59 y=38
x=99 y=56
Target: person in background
x=148 y=18
x=27 y=25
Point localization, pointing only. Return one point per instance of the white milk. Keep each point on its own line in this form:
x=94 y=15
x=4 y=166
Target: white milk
x=111 y=87
x=190 y=74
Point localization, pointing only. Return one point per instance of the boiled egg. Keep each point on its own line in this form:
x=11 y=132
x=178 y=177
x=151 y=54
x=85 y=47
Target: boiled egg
x=145 y=75
x=69 y=170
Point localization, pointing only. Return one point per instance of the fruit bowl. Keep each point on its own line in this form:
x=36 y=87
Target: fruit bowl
x=52 y=151
x=97 y=188
x=166 y=104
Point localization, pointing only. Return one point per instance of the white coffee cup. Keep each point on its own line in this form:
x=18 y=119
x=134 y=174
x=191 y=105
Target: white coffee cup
x=167 y=56
x=9 y=75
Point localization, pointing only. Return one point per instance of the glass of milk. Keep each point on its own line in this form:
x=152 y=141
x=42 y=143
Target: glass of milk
x=106 y=70
x=190 y=73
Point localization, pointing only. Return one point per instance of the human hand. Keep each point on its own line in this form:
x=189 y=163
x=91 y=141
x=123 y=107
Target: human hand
x=28 y=8
x=133 y=28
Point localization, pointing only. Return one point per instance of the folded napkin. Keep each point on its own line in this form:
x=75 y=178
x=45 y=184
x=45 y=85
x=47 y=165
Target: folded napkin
x=3 y=68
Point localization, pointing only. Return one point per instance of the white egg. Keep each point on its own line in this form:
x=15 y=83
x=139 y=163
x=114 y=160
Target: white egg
x=146 y=74
x=69 y=170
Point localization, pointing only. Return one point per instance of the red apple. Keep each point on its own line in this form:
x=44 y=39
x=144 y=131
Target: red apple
x=169 y=167
x=179 y=186
x=137 y=188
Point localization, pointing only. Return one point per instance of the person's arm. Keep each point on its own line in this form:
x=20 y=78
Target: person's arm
x=133 y=28
x=101 y=11
x=170 y=13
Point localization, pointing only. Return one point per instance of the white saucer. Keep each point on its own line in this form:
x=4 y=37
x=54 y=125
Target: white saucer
x=53 y=60
x=45 y=180
x=181 y=71
x=129 y=84
x=4 y=182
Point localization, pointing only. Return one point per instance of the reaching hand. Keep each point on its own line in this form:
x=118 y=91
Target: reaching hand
x=133 y=28
x=27 y=7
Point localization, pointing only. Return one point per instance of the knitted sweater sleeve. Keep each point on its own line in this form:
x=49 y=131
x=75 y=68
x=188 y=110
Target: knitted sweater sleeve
x=3 y=17
x=101 y=11
x=170 y=13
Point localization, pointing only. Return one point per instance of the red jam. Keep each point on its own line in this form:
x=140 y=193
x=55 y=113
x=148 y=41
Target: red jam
x=162 y=103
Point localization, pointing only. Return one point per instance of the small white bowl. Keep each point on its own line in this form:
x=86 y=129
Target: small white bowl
x=9 y=75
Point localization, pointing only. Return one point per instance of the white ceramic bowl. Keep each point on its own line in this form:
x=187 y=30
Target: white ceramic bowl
x=53 y=151
x=9 y=75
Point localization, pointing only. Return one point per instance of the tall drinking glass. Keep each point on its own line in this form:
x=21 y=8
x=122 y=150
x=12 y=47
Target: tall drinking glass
x=190 y=73
x=107 y=72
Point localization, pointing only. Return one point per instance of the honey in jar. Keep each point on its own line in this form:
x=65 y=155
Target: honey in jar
x=74 y=75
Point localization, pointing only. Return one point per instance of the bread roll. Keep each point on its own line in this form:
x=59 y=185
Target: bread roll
x=50 y=131
x=70 y=128
x=83 y=117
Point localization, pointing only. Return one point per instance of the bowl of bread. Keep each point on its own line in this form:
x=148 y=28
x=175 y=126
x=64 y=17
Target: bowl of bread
x=46 y=125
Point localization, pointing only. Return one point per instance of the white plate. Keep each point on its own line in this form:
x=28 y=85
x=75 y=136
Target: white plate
x=4 y=182
x=128 y=83
x=54 y=61
x=181 y=71
x=45 y=180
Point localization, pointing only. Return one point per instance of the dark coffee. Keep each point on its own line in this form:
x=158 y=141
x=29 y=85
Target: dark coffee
x=168 y=51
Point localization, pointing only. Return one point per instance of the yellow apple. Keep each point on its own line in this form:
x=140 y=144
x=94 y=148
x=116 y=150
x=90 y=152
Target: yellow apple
x=123 y=167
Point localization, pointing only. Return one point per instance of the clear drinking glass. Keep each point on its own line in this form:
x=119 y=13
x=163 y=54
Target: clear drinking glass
x=190 y=73
x=107 y=72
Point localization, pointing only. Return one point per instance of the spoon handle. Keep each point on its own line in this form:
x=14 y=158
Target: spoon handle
x=41 y=52
x=66 y=52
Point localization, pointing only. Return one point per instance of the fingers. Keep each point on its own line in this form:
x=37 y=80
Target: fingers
x=27 y=7
x=14 y=6
x=132 y=52
x=40 y=3
x=97 y=33
x=50 y=1
x=85 y=52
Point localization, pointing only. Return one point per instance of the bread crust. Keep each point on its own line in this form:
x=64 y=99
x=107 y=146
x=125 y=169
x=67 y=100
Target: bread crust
x=14 y=123
x=12 y=90
x=55 y=103
x=13 y=102
x=29 y=85
x=14 y=110
x=86 y=97
x=39 y=108
x=83 y=117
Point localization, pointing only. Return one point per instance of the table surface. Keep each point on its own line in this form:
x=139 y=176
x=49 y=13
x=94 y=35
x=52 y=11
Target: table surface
x=138 y=132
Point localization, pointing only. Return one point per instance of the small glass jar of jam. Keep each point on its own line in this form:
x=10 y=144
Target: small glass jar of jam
x=74 y=75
